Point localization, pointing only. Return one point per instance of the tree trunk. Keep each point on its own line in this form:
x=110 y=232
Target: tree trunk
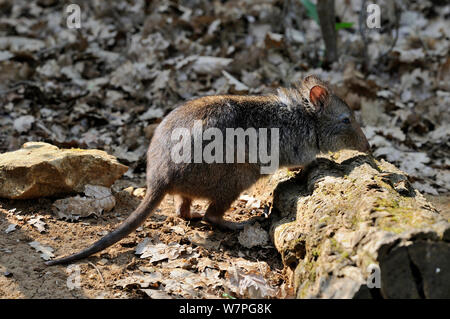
x=350 y=223
x=327 y=20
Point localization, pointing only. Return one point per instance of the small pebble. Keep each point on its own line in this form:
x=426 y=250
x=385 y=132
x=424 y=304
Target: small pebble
x=103 y=261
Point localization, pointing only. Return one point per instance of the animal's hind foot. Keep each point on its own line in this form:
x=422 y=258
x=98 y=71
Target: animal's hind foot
x=224 y=224
x=194 y=216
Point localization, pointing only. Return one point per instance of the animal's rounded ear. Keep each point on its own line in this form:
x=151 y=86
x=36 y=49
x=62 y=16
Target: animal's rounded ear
x=318 y=96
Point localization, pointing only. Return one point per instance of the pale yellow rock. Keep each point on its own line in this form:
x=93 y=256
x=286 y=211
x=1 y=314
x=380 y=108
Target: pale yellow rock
x=40 y=169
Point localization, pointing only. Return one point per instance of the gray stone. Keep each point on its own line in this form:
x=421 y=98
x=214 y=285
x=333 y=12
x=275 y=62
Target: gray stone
x=41 y=169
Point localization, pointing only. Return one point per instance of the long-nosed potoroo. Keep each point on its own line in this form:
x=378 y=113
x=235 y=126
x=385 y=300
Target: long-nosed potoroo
x=192 y=155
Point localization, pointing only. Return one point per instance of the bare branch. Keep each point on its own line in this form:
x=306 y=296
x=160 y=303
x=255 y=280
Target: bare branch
x=325 y=10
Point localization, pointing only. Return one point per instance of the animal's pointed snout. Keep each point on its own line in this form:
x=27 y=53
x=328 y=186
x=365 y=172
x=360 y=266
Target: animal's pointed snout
x=362 y=142
x=365 y=148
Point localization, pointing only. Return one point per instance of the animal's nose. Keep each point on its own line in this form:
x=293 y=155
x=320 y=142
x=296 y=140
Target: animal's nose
x=366 y=147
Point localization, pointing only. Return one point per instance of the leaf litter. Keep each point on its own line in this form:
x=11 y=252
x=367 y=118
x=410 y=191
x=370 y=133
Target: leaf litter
x=97 y=199
x=104 y=85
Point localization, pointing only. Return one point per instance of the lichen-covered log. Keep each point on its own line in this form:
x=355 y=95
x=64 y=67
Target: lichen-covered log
x=344 y=220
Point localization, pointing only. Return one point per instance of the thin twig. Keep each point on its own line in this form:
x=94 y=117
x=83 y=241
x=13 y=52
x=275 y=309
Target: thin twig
x=17 y=85
x=362 y=16
x=397 y=26
x=43 y=51
x=366 y=41
x=325 y=10
x=98 y=271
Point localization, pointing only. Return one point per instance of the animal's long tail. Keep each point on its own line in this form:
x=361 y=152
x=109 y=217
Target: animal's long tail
x=148 y=204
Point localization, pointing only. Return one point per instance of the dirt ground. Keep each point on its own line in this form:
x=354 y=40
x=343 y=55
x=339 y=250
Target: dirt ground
x=23 y=273
x=107 y=84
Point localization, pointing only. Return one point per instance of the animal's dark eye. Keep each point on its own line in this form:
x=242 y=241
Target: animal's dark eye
x=346 y=120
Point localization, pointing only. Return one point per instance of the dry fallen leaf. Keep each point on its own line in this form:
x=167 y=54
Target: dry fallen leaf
x=156 y=294
x=161 y=251
x=249 y=285
x=23 y=123
x=253 y=235
x=38 y=224
x=47 y=252
x=144 y=281
x=210 y=65
x=10 y=228
x=251 y=202
x=237 y=86
x=98 y=199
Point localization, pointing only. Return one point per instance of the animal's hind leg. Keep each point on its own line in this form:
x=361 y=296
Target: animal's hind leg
x=214 y=216
x=183 y=205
